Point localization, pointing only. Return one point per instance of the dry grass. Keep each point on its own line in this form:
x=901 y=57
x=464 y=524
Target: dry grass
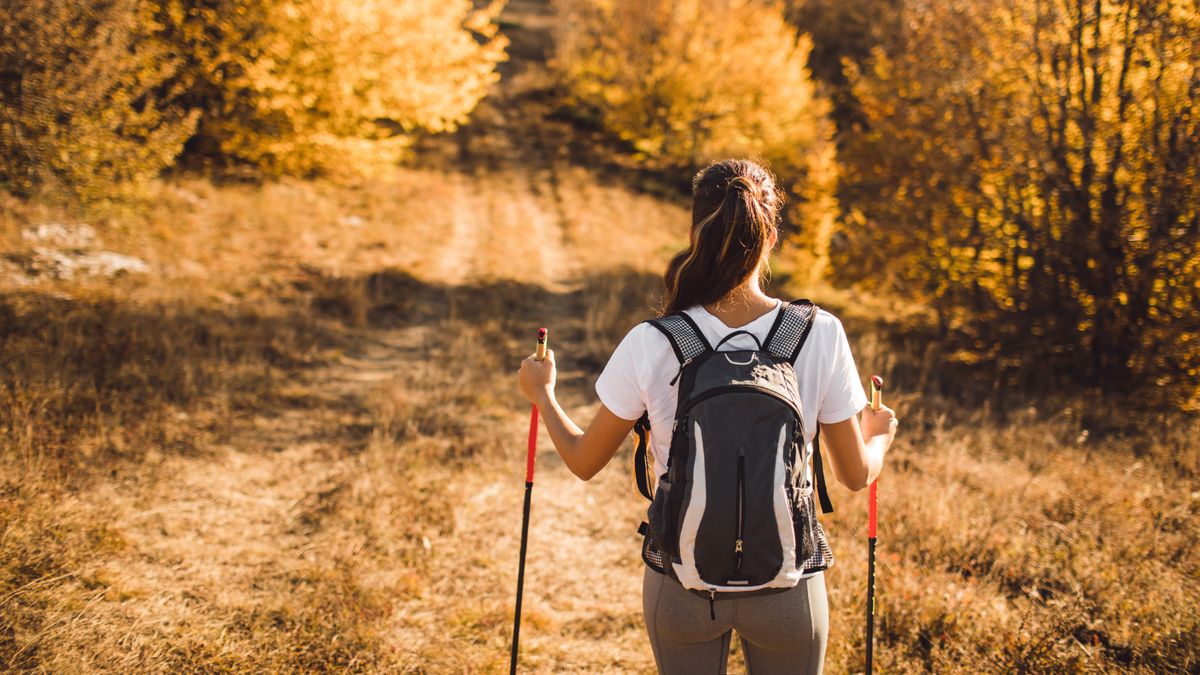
x=283 y=465
x=1026 y=545
x=296 y=445
x=251 y=459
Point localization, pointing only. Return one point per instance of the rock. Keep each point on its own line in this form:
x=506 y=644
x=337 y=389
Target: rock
x=65 y=252
x=59 y=235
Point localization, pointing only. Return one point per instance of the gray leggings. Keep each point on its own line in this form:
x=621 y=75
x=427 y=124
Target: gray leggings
x=780 y=633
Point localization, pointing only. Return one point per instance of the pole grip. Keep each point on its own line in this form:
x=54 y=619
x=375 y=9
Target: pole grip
x=872 y=498
x=529 y=457
x=872 y=509
x=540 y=354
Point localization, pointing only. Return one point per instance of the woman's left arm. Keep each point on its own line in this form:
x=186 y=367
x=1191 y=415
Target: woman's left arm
x=584 y=452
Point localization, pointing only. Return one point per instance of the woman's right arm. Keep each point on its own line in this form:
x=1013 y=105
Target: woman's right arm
x=857 y=462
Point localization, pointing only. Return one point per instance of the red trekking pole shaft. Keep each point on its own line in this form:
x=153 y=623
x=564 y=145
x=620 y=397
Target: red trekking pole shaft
x=529 y=460
x=872 y=521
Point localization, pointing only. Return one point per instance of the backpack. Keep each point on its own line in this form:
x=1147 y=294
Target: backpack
x=735 y=512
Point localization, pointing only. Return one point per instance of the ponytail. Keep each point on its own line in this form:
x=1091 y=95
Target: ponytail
x=735 y=206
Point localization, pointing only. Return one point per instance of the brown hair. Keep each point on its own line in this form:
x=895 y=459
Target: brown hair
x=734 y=208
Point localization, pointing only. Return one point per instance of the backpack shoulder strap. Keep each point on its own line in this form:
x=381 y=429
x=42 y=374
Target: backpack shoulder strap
x=641 y=458
x=819 y=474
x=688 y=343
x=684 y=335
x=785 y=340
x=791 y=329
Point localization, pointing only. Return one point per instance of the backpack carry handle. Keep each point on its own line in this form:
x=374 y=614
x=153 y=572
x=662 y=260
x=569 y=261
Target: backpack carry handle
x=736 y=333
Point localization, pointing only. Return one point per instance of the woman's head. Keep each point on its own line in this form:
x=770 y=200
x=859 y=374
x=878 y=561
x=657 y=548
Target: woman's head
x=735 y=209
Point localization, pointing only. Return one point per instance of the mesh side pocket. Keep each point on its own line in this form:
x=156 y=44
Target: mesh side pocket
x=651 y=555
x=804 y=523
x=662 y=516
x=822 y=559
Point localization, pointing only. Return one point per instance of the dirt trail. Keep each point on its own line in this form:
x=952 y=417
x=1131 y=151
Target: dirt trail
x=208 y=536
x=454 y=260
x=255 y=533
x=353 y=504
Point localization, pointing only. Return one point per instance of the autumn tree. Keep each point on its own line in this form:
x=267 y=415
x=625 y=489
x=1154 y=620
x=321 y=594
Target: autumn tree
x=843 y=33
x=684 y=82
x=298 y=86
x=85 y=97
x=1031 y=168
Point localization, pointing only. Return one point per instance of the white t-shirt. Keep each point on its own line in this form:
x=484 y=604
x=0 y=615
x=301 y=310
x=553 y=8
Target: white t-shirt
x=638 y=375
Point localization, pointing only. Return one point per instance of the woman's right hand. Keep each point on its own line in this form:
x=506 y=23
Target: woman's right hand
x=880 y=422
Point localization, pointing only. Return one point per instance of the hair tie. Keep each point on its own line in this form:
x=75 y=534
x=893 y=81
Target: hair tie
x=741 y=184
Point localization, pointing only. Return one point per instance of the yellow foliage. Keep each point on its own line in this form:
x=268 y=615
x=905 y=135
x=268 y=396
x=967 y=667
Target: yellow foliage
x=1034 y=170
x=83 y=97
x=306 y=85
x=690 y=81
x=104 y=92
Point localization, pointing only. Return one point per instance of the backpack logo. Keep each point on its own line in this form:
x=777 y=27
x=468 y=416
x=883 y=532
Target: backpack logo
x=766 y=373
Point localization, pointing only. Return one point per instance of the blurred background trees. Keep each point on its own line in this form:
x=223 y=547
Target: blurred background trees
x=101 y=92
x=86 y=100
x=844 y=33
x=687 y=82
x=298 y=86
x=1028 y=169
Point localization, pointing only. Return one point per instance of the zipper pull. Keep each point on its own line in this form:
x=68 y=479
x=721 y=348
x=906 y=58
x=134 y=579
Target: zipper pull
x=681 y=367
x=712 y=600
x=737 y=554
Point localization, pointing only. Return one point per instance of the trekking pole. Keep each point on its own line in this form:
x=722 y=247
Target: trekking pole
x=872 y=521
x=533 y=429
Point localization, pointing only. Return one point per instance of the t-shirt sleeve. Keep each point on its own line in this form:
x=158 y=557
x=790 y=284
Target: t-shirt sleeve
x=843 y=394
x=619 y=385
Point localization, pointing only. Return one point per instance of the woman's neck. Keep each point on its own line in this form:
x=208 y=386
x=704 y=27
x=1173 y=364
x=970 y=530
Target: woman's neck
x=743 y=304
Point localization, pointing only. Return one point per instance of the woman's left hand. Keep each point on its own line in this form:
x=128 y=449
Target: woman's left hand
x=537 y=378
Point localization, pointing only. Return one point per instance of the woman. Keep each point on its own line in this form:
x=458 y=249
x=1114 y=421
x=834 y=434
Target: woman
x=717 y=281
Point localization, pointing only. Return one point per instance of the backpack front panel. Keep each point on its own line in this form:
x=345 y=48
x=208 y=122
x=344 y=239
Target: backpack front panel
x=742 y=440
x=729 y=468
x=726 y=519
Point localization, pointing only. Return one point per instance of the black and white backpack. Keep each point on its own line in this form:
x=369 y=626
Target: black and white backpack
x=735 y=511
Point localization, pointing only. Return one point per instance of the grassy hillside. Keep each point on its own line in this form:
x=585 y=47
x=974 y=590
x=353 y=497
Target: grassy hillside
x=294 y=441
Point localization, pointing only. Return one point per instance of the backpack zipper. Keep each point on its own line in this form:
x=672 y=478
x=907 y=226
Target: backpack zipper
x=741 y=508
x=746 y=388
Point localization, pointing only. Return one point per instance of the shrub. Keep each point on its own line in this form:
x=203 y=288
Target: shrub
x=84 y=101
x=1033 y=173
x=300 y=86
x=696 y=80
